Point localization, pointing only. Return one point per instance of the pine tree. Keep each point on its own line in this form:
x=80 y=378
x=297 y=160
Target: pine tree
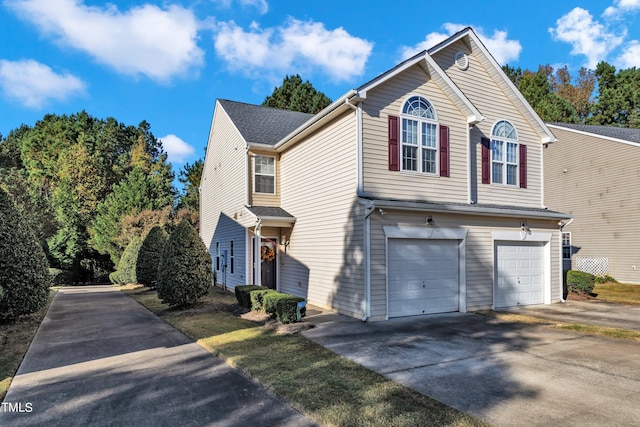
x=185 y=273
x=149 y=257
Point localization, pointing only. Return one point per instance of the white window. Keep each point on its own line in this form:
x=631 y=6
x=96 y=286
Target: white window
x=419 y=137
x=217 y=256
x=566 y=245
x=231 y=256
x=264 y=174
x=504 y=154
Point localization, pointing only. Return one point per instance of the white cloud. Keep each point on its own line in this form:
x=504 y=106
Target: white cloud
x=586 y=36
x=296 y=45
x=630 y=56
x=177 y=150
x=144 y=40
x=261 y=5
x=502 y=49
x=33 y=84
x=621 y=7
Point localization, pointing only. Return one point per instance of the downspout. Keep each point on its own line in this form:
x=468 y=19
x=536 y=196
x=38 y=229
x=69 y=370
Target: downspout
x=469 y=163
x=258 y=258
x=369 y=208
x=562 y=226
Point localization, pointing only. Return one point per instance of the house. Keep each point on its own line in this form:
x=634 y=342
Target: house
x=592 y=173
x=419 y=192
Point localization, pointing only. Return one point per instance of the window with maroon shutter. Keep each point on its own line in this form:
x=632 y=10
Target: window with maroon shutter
x=523 y=166
x=444 y=150
x=486 y=160
x=394 y=149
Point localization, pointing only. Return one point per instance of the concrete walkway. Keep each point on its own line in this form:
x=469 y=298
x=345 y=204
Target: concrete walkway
x=101 y=359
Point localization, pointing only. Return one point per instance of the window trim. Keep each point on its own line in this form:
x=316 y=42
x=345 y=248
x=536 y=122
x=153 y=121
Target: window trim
x=217 y=256
x=422 y=126
x=568 y=233
x=231 y=256
x=504 y=162
x=255 y=157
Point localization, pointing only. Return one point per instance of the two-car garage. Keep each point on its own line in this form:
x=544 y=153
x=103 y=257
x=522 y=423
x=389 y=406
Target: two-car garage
x=427 y=274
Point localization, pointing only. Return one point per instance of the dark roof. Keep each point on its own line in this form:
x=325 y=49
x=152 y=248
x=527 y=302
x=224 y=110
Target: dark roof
x=269 y=211
x=627 y=134
x=263 y=125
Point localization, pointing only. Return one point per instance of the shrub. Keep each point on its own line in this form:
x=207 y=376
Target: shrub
x=149 y=256
x=243 y=294
x=580 y=282
x=24 y=275
x=184 y=272
x=607 y=278
x=60 y=277
x=257 y=298
x=283 y=306
x=126 y=272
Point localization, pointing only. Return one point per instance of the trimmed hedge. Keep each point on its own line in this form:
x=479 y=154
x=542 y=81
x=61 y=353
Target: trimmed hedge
x=607 y=278
x=126 y=272
x=149 y=256
x=283 y=306
x=243 y=294
x=579 y=282
x=184 y=273
x=257 y=298
x=24 y=270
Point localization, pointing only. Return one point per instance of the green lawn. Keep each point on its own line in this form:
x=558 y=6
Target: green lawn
x=325 y=387
x=618 y=292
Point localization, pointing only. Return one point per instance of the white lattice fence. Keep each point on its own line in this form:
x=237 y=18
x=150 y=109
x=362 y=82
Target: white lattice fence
x=593 y=265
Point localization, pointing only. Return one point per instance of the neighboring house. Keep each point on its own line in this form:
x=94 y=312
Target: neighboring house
x=593 y=173
x=419 y=192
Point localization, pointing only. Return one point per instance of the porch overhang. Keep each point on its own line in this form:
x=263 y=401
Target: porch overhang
x=266 y=216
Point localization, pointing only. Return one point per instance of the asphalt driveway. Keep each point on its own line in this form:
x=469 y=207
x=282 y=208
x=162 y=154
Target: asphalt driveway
x=505 y=373
x=100 y=359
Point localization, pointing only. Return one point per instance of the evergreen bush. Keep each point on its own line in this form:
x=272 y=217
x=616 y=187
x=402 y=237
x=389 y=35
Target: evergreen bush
x=126 y=272
x=24 y=270
x=257 y=298
x=579 y=282
x=184 y=273
x=283 y=306
x=243 y=294
x=149 y=256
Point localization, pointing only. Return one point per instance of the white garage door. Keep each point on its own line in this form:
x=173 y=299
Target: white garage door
x=422 y=276
x=519 y=274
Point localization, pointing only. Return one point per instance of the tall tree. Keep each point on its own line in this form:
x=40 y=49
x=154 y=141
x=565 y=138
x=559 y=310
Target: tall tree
x=618 y=100
x=296 y=95
x=189 y=177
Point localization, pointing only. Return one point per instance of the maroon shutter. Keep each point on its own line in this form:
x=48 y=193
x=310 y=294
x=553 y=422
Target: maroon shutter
x=523 y=166
x=486 y=160
x=444 y=150
x=394 y=149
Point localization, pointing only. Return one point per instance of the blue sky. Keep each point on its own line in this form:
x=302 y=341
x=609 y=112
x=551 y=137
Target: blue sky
x=168 y=61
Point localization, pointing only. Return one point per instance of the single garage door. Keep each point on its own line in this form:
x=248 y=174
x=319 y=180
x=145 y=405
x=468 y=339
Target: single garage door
x=422 y=276
x=519 y=274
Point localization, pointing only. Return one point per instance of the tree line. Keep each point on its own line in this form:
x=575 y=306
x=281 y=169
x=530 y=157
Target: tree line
x=604 y=96
x=86 y=187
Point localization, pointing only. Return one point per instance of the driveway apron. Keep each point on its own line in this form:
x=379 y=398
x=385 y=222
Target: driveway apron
x=101 y=359
x=509 y=374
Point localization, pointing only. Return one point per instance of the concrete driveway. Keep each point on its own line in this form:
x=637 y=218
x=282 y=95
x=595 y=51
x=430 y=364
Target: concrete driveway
x=505 y=373
x=100 y=359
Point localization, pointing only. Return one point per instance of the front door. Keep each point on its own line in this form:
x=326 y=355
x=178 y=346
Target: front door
x=268 y=255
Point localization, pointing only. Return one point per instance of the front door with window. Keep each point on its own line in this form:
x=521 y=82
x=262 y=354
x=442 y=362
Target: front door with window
x=267 y=257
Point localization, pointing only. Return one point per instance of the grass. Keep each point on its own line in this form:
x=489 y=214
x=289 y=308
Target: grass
x=15 y=339
x=619 y=293
x=325 y=387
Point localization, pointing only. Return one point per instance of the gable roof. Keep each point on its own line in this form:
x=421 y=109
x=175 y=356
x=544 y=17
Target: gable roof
x=471 y=39
x=262 y=125
x=613 y=132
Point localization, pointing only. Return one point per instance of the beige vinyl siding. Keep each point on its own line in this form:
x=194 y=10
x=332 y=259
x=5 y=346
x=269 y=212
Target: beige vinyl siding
x=222 y=191
x=482 y=85
x=324 y=260
x=479 y=253
x=260 y=199
x=388 y=99
x=596 y=180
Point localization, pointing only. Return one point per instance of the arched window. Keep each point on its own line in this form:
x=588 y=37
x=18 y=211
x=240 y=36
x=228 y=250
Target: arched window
x=419 y=136
x=504 y=154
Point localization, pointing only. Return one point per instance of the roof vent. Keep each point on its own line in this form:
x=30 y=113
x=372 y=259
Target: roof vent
x=461 y=60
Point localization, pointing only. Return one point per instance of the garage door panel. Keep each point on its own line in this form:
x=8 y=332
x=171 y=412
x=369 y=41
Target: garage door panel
x=519 y=274
x=422 y=276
